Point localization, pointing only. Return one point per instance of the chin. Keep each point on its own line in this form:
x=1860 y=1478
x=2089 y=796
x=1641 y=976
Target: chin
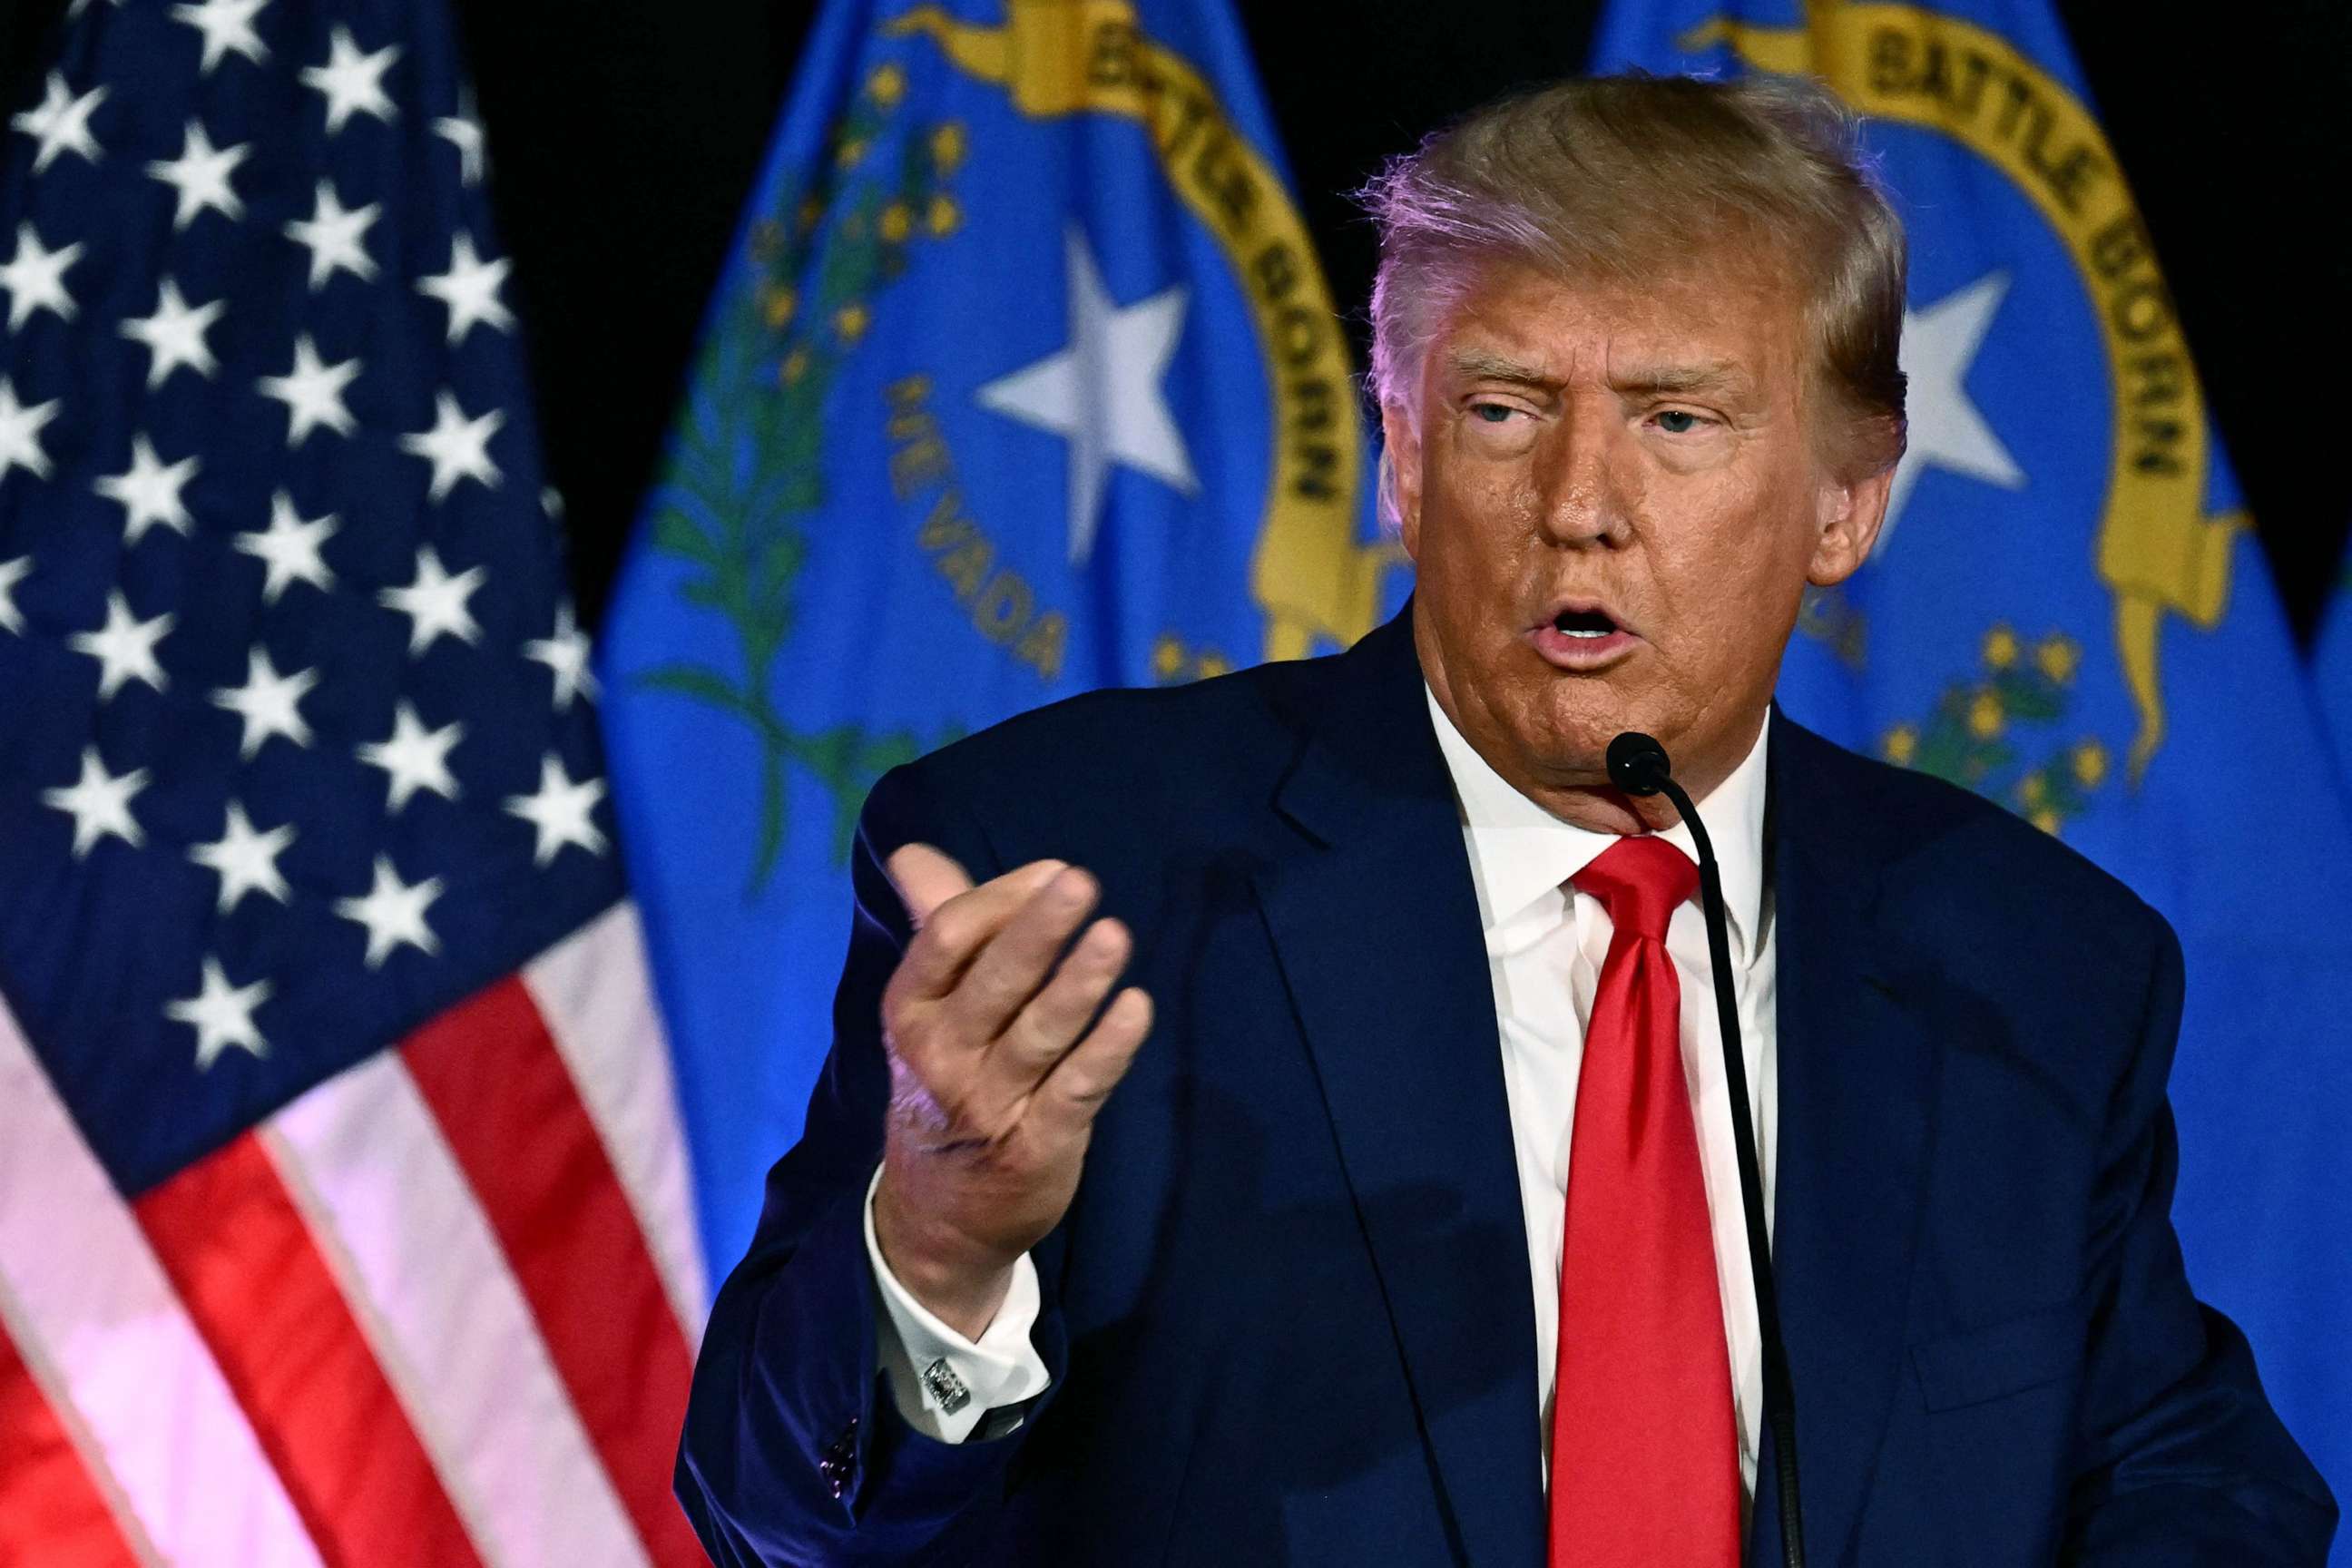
x=1571 y=727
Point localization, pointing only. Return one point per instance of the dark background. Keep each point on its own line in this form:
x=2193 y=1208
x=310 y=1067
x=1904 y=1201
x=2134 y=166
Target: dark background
x=625 y=134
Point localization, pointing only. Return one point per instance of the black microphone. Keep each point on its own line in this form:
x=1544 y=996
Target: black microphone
x=1639 y=766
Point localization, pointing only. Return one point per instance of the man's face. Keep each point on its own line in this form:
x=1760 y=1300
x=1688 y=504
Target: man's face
x=1615 y=498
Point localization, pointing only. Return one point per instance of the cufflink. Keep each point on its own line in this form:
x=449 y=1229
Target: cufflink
x=945 y=1388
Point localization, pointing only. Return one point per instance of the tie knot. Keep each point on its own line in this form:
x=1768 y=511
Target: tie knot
x=1639 y=881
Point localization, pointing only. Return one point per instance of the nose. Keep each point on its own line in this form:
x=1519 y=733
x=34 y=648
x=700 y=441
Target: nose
x=1582 y=501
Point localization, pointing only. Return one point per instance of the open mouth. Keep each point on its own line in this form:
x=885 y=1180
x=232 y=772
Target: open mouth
x=1584 y=624
x=1582 y=638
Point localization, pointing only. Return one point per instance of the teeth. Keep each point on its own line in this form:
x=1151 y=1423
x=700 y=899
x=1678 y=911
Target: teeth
x=1594 y=633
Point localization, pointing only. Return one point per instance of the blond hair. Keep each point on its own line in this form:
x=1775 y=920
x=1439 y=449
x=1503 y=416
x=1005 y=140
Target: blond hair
x=1600 y=178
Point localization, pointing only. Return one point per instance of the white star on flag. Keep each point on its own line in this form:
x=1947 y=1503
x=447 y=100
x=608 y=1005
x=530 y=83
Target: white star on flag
x=100 y=804
x=222 y=1015
x=35 y=278
x=1102 y=391
x=1939 y=345
x=566 y=656
x=313 y=392
x=20 y=432
x=456 y=446
x=414 y=758
x=561 y=810
x=124 y=646
x=60 y=123
x=268 y=703
x=435 y=602
x=464 y=132
x=201 y=177
x=393 y=913
x=290 y=550
x=12 y=572
x=335 y=237
x=149 y=492
x=174 y=334
x=245 y=860
x=470 y=290
x=227 y=28
x=353 y=82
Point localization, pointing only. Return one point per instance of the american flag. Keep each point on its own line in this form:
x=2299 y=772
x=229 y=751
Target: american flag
x=344 y=1215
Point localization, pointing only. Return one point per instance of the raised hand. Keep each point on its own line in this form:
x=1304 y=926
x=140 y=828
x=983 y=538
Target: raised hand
x=995 y=1076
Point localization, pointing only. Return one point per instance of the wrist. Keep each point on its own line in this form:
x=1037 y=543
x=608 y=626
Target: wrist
x=956 y=1281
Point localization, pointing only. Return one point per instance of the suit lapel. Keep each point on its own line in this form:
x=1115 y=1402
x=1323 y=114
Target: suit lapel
x=1857 y=1074
x=1376 y=925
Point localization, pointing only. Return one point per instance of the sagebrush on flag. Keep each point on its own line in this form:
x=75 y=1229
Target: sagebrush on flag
x=344 y=1215
x=2069 y=612
x=1022 y=378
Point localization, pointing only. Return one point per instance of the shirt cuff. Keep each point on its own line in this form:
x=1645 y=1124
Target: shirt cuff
x=941 y=1382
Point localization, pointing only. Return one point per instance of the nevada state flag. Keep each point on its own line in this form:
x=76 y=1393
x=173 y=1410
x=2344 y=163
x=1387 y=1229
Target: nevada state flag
x=1023 y=379
x=2069 y=612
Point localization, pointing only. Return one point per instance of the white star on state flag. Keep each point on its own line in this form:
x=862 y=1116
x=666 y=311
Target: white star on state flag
x=1939 y=345
x=12 y=572
x=313 y=392
x=60 y=123
x=456 y=446
x=335 y=236
x=561 y=810
x=1102 y=391
x=435 y=602
x=222 y=1015
x=124 y=646
x=227 y=28
x=174 y=334
x=353 y=82
x=149 y=492
x=470 y=290
x=245 y=860
x=20 y=432
x=35 y=278
x=100 y=804
x=393 y=913
x=290 y=550
x=414 y=758
x=268 y=703
x=464 y=132
x=566 y=655
x=201 y=177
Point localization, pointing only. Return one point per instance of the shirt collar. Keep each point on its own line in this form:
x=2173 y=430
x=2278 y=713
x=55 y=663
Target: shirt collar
x=1519 y=852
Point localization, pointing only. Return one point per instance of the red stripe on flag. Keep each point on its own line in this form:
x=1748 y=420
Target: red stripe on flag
x=248 y=1270
x=51 y=1511
x=496 y=1084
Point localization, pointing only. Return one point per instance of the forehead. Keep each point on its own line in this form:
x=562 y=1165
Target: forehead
x=1715 y=314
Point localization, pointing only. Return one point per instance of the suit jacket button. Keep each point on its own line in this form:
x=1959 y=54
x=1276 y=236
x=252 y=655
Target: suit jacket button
x=838 y=1463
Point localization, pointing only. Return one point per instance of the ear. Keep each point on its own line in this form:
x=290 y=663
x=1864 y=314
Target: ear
x=1851 y=514
x=1400 y=474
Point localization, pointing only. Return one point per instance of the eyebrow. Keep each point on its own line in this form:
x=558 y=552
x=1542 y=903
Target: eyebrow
x=1476 y=364
x=1677 y=380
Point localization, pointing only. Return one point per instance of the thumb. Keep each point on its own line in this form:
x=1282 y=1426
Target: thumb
x=925 y=879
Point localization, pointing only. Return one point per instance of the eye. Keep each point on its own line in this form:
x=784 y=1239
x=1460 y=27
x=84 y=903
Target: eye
x=1678 y=421
x=1492 y=413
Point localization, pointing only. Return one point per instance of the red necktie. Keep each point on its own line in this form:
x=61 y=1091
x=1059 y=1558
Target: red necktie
x=1645 y=1461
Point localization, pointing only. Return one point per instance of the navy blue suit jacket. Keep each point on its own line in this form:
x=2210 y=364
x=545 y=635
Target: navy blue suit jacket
x=1289 y=1315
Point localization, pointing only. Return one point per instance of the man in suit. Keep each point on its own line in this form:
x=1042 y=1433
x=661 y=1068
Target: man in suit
x=1390 y=1214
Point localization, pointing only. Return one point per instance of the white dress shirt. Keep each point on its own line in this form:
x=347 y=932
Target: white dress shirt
x=1545 y=942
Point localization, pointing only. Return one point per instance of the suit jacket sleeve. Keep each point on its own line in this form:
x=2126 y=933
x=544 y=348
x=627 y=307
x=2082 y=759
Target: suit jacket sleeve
x=2185 y=1463
x=794 y=1450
